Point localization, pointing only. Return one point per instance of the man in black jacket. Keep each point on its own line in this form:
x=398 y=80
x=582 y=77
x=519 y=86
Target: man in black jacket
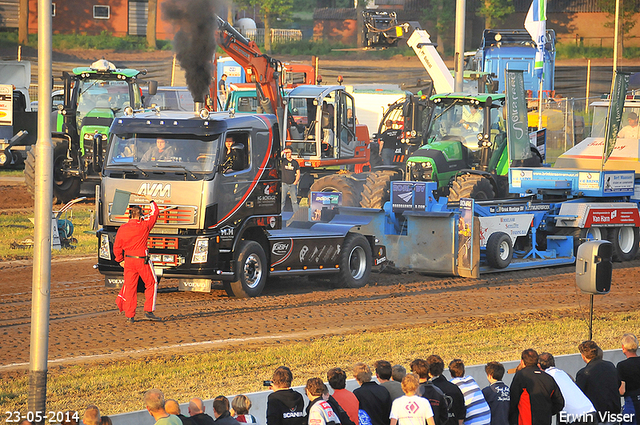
x=373 y=398
x=196 y=412
x=535 y=396
x=436 y=397
x=457 y=408
x=284 y=406
x=599 y=381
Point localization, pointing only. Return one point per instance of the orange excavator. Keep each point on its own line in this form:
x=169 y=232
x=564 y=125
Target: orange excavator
x=317 y=122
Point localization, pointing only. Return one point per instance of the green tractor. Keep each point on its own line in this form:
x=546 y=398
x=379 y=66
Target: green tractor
x=93 y=97
x=466 y=149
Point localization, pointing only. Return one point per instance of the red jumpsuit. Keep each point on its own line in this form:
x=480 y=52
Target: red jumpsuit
x=131 y=241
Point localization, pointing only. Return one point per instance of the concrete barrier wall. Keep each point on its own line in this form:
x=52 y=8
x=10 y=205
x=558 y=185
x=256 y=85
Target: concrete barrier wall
x=570 y=363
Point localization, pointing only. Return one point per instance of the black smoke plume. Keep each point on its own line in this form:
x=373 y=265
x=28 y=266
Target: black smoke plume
x=194 y=42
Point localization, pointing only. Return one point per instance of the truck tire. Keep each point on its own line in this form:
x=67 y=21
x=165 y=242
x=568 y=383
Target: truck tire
x=251 y=271
x=355 y=261
x=582 y=235
x=377 y=188
x=499 y=250
x=625 y=243
x=471 y=186
x=338 y=183
x=64 y=188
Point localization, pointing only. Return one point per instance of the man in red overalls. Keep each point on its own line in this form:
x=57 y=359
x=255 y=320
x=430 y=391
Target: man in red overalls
x=131 y=247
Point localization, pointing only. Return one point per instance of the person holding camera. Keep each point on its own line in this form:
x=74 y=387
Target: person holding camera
x=130 y=247
x=284 y=406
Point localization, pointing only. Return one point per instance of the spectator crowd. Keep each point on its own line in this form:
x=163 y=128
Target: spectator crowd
x=538 y=392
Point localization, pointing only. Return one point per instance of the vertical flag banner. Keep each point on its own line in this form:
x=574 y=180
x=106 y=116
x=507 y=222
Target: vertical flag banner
x=517 y=124
x=619 y=87
x=536 y=25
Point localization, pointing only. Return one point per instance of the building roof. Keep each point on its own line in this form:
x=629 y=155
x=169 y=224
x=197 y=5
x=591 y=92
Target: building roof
x=334 y=14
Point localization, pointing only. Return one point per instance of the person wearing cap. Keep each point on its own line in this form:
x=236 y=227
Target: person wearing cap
x=535 y=396
x=130 y=249
x=577 y=406
x=631 y=131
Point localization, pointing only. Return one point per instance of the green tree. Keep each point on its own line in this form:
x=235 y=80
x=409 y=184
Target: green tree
x=270 y=10
x=442 y=13
x=628 y=10
x=494 y=10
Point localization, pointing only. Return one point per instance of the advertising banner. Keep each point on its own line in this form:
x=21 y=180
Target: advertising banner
x=619 y=87
x=517 y=121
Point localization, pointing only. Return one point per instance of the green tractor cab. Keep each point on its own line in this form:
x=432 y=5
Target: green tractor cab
x=93 y=97
x=466 y=149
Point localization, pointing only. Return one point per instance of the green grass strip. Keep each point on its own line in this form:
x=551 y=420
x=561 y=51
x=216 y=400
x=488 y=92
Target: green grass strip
x=118 y=386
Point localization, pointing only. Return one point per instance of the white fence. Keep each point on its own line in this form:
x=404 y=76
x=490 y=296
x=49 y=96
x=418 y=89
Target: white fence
x=570 y=363
x=277 y=35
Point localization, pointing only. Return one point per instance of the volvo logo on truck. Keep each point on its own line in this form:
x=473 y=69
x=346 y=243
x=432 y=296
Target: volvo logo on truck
x=158 y=190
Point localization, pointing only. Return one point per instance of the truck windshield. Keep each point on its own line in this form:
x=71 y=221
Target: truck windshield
x=146 y=151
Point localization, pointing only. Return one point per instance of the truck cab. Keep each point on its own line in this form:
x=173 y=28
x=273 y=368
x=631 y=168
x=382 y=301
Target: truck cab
x=322 y=127
x=207 y=204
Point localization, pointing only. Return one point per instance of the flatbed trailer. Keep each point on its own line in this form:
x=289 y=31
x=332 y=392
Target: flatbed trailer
x=552 y=212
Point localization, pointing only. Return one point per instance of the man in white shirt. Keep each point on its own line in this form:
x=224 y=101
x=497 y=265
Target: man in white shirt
x=411 y=409
x=630 y=131
x=576 y=405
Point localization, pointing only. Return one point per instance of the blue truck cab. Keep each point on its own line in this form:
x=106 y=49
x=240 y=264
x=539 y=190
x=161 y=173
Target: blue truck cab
x=515 y=50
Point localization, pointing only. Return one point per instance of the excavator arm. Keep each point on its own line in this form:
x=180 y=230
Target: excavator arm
x=260 y=69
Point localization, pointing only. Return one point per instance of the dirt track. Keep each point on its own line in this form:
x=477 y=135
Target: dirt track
x=85 y=322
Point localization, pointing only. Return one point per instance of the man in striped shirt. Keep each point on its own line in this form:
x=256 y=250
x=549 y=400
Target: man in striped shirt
x=478 y=412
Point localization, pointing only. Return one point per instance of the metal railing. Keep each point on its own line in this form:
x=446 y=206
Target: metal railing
x=277 y=35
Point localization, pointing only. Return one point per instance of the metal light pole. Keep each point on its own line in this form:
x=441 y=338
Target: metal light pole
x=615 y=36
x=459 y=58
x=42 y=237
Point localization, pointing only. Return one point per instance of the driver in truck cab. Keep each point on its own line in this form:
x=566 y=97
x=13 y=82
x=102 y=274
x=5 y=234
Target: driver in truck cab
x=160 y=152
x=233 y=160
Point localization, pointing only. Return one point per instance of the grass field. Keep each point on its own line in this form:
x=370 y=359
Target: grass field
x=17 y=229
x=118 y=386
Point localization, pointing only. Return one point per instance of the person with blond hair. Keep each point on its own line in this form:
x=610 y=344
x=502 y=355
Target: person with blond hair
x=240 y=406
x=154 y=402
x=173 y=408
x=629 y=374
x=411 y=409
x=91 y=415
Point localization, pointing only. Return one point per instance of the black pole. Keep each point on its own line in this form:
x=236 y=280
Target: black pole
x=591 y=318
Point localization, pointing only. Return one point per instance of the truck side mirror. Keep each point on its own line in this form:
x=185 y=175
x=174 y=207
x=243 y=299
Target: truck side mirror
x=153 y=87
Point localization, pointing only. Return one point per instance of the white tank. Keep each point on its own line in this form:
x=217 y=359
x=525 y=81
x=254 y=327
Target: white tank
x=244 y=24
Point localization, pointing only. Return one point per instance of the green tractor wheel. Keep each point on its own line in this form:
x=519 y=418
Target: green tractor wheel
x=471 y=186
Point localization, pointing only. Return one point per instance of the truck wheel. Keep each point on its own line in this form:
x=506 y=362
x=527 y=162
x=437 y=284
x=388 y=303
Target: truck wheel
x=499 y=250
x=64 y=188
x=582 y=235
x=377 y=188
x=625 y=243
x=338 y=183
x=471 y=186
x=251 y=271
x=355 y=261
